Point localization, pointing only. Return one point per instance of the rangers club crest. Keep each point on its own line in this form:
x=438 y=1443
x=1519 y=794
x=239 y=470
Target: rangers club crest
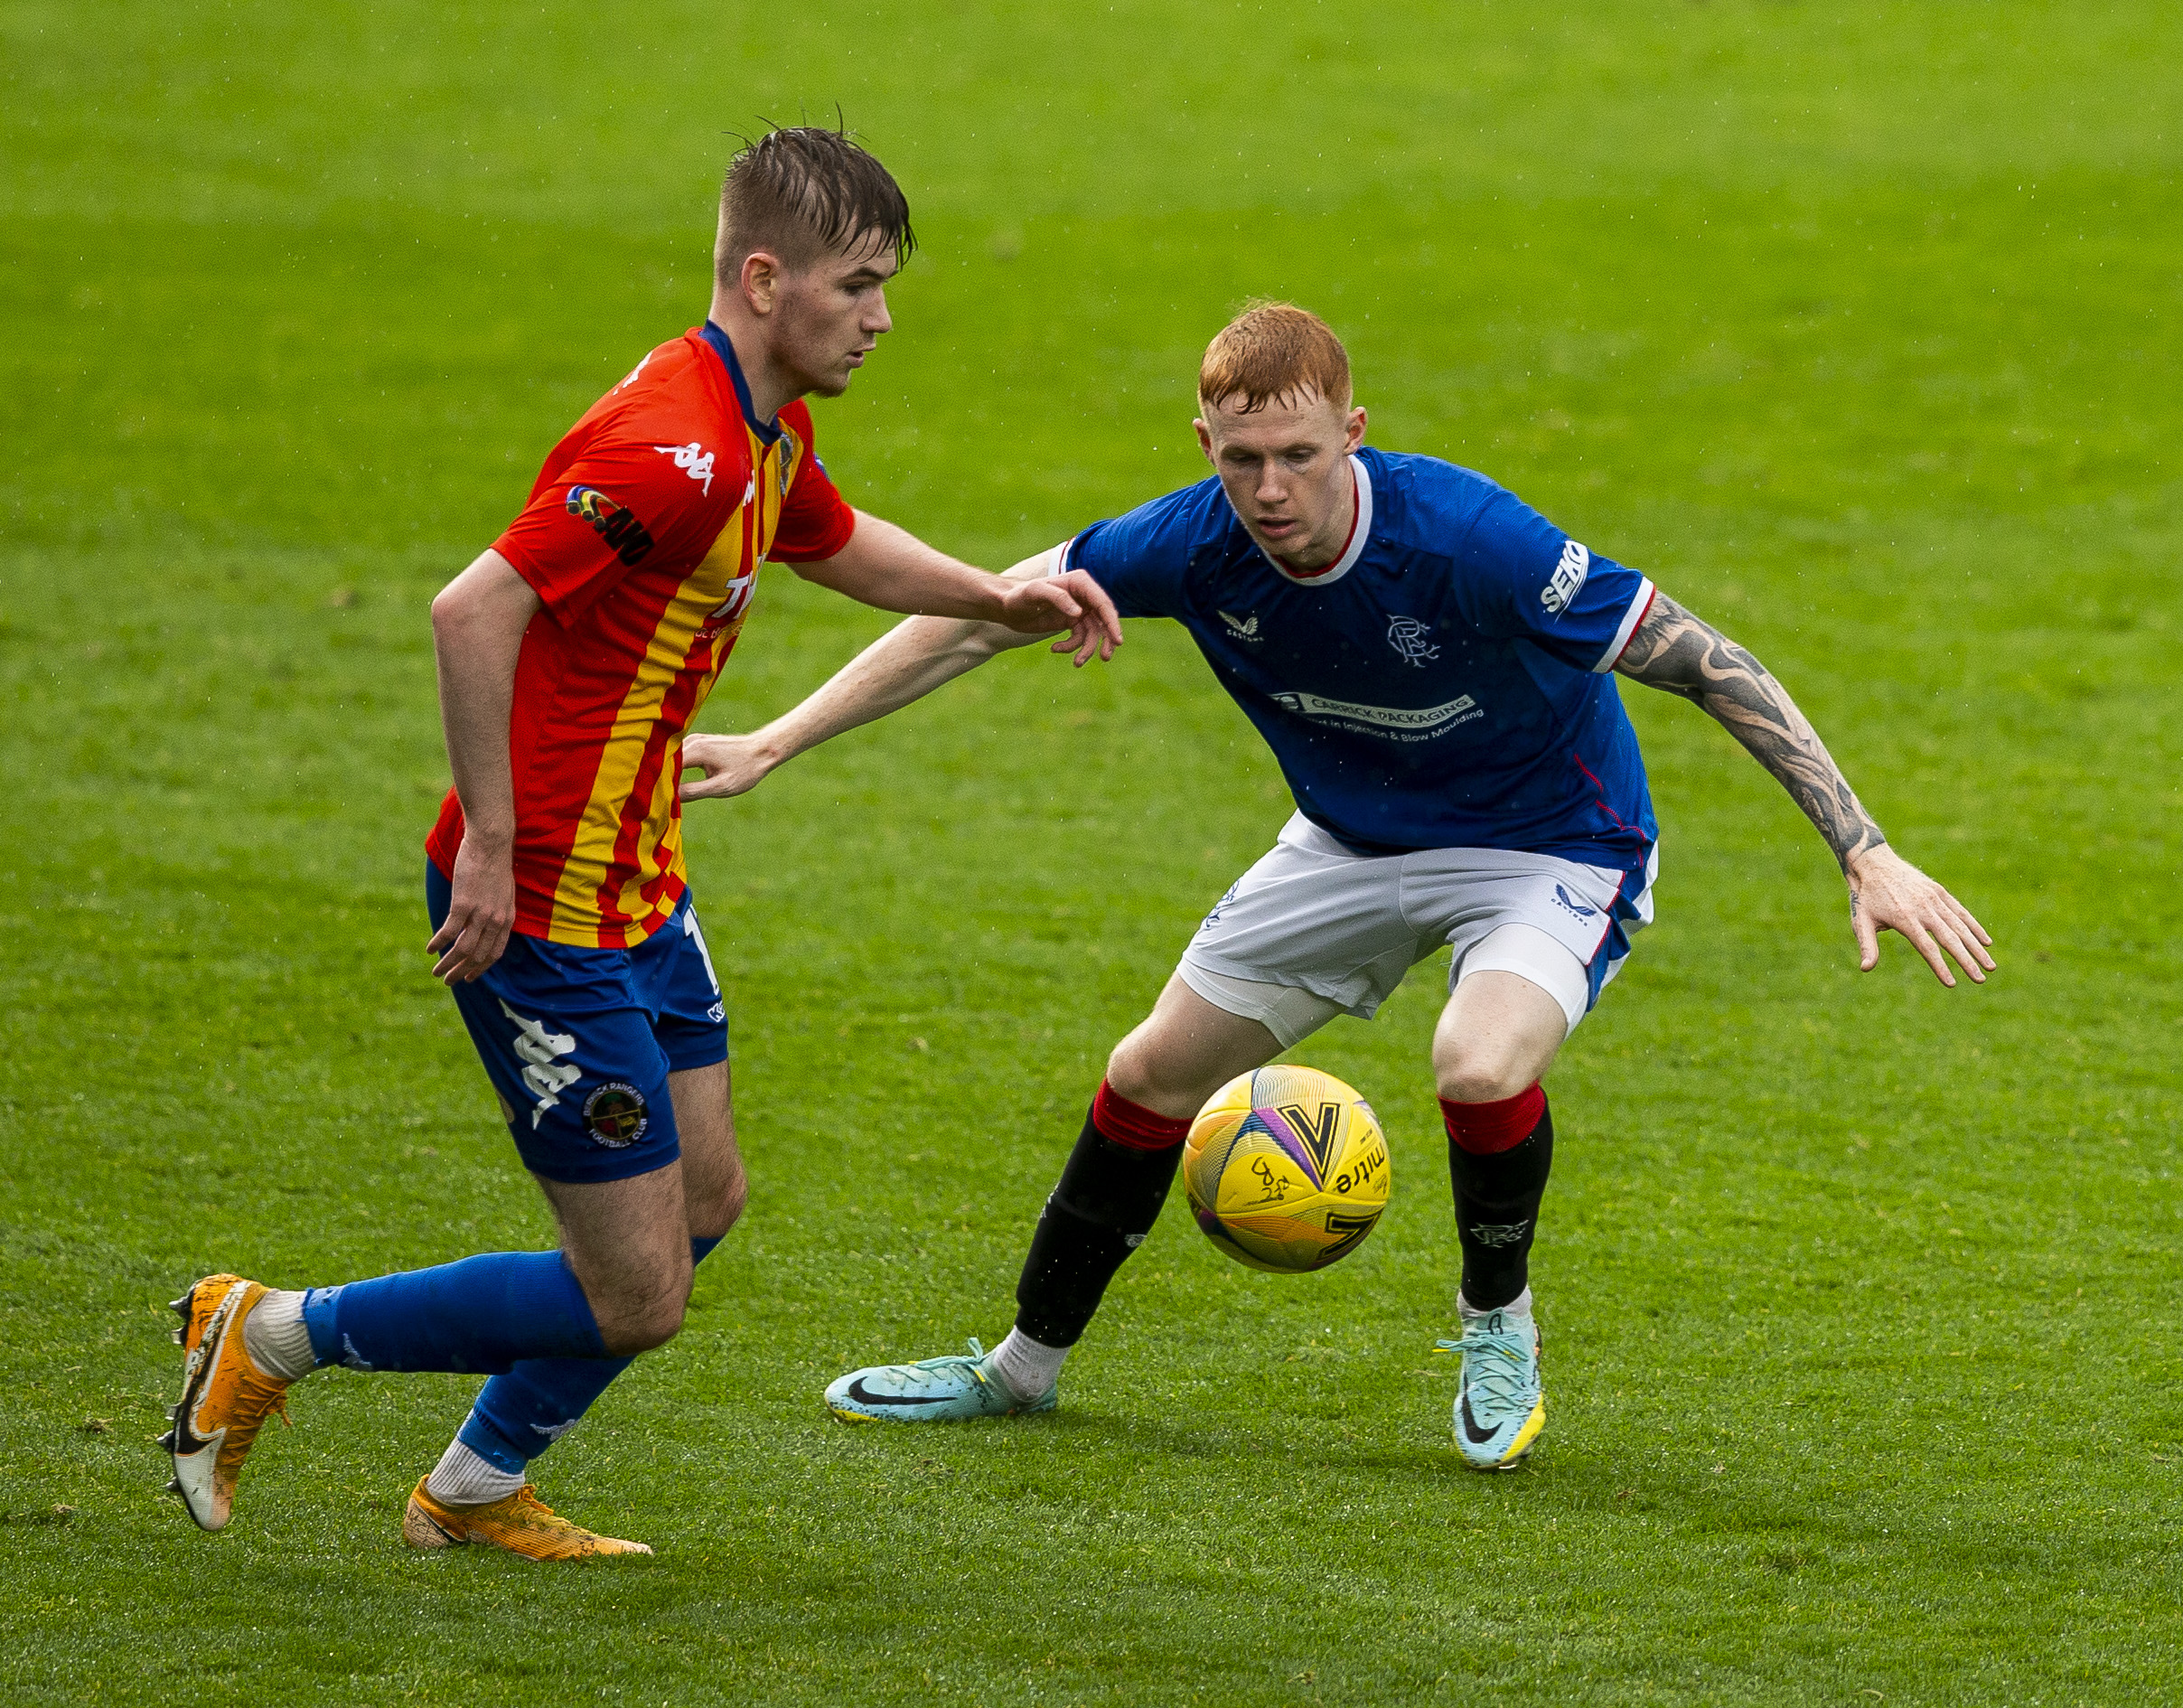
x=1408 y=637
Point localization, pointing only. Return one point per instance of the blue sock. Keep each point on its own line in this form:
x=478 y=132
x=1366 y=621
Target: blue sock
x=483 y=1315
x=521 y=1414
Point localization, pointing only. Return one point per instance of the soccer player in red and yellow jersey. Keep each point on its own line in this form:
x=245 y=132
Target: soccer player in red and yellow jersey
x=573 y=655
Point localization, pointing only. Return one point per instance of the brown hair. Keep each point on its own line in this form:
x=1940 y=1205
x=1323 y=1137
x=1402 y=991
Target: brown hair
x=1273 y=352
x=802 y=191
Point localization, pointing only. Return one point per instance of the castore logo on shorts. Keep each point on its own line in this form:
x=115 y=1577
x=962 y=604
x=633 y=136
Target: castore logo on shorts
x=1574 y=907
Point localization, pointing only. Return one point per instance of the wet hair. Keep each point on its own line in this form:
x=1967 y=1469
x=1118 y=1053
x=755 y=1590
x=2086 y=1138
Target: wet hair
x=802 y=191
x=1273 y=352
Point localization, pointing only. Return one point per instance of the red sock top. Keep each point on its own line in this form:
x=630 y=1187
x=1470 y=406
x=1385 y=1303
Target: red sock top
x=1132 y=1124
x=1484 y=1129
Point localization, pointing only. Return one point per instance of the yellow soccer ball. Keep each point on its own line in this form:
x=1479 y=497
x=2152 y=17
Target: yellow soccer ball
x=1286 y=1169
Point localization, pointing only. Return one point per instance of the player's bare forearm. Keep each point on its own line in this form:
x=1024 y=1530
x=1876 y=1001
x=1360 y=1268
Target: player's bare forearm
x=477 y=634
x=892 y=570
x=903 y=665
x=1678 y=653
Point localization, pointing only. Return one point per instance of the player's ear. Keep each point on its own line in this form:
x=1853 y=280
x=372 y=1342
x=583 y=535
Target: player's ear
x=1356 y=429
x=761 y=281
x=1205 y=439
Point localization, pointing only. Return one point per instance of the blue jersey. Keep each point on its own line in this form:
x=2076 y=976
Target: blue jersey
x=1441 y=684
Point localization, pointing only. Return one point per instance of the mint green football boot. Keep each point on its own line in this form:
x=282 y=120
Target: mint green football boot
x=937 y=1391
x=1501 y=1407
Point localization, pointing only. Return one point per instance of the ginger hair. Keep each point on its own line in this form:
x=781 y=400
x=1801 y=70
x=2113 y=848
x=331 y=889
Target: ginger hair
x=1273 y=352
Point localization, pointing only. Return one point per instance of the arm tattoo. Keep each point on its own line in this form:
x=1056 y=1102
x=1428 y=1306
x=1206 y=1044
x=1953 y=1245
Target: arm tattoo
x=1675 y=652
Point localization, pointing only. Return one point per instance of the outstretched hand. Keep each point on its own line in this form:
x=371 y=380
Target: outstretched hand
x=1887 y=893
x=1074 y=602
x=733 y=765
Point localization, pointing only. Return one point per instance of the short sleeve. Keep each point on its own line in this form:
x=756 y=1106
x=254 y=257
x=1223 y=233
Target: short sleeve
x=816 y=521
x=1140 y=560
x=1525 y=579
x=599 y=519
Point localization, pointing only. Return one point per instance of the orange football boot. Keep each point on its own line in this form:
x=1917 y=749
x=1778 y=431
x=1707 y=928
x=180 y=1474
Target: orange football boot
x=225 y=1397
x=520 y=1523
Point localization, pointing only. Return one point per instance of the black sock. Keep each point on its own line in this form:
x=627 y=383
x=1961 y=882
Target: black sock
x=1109 y=1197
x=1498 y=1212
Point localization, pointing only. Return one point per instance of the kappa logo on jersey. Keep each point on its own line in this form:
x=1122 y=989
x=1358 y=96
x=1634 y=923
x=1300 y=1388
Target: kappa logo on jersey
x=1242 y=628
x=694 y=460
x=1572 y=907
x=1568 y=579
x=639 y=369
x=1406 y=636
x=617 y=525
x=544 y=1070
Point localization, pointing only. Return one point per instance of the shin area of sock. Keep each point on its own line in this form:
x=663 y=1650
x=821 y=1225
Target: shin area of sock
x=1499 y=1184
x=483 y=1315
x=1108 y=1197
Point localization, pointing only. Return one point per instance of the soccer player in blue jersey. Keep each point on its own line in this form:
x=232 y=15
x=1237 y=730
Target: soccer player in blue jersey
x=1430 y=661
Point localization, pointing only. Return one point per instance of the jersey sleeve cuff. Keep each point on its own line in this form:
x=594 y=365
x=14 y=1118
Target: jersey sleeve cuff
x=536 y=577
x=819 y=551
x=1631 y=618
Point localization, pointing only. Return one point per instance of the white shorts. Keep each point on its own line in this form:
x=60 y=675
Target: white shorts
x=1314 y=930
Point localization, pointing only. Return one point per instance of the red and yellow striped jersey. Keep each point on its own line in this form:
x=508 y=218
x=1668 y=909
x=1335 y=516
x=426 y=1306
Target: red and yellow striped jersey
x=643 y=539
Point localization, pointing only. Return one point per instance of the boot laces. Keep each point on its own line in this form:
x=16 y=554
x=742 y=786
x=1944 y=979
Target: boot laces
x=1496 y=1364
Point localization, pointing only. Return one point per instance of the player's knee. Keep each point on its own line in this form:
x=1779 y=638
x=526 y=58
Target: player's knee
x=1126 y=1071
x=1135 y=1072
x=732 y=1200
x=721 y=1208
x=1470 y=1074
x=644 y=1311
x=642 y=1328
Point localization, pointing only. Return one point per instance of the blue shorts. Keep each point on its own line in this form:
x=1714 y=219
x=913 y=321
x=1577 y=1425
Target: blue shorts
x=579 y=1042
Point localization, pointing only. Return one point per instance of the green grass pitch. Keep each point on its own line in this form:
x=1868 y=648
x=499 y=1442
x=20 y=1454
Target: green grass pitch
x=1855 y=325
